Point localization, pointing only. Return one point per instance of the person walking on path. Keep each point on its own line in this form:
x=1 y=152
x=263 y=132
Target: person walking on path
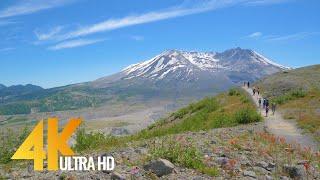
x=273 y=108
x=263 y=103
x=267 y=103
x=254 y=91
x=259 y=101
x=267 y=110
x=248 y=84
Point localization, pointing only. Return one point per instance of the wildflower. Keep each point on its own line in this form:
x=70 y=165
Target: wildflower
x=273 y=139
x=134 y=170
x=306 y=166
x=282 y=140
x=233 y=141
x=232 y=163
x=289 y=150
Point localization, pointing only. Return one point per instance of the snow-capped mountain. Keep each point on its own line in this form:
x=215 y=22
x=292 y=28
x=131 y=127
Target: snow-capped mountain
x=183 y=73
x=182 y=65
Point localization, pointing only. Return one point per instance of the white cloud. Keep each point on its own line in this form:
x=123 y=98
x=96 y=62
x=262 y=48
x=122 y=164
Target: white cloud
x=137 y=38
x=288 y=37
x=265 y=2
x=74 y=43
x=255 y=35
x=30 y=6
x=48 y=35
x=6 y=22
x=6 y=49
x=112 y=24
x=291 y=37
x=187 y=8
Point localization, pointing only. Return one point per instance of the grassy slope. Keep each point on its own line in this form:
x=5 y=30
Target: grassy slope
x=225 y=110
x=298 y=94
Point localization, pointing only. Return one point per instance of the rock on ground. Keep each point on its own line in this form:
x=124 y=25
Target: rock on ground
x=160 y=167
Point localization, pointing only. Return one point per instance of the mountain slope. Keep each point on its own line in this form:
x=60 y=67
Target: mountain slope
x=175 y=76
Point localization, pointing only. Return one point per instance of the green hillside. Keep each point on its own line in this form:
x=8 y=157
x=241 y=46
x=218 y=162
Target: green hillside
x=224 y=110
x=297 y=93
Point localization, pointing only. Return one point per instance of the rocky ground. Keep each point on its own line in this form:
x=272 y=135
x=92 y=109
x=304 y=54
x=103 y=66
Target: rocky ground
x=242 y=152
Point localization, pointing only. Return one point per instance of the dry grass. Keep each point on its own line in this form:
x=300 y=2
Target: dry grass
x=306 y=111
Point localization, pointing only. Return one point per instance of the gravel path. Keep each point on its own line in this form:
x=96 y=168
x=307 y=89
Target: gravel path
x=278 y=126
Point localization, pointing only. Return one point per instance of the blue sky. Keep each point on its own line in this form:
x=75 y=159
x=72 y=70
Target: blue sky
x=57 y=42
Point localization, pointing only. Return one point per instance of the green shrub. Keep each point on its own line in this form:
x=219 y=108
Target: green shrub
x=233 y=92
x=207 y=104
x=10 y=140
x=180 y=113
x=244 y=99
x=292 y=95
x=298 y=93
x=93 y=140
x=247 y=115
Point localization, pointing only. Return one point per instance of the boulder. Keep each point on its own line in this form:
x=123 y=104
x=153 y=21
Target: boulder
x=222 y=160
x=249 y=174
x=117 y=176
x=295 y=172
x=267 y=177
x=119 y=131
x=262 y=164
x=160 y=167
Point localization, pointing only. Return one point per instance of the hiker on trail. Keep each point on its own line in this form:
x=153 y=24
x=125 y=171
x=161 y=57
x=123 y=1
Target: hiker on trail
x=254 y=91
x=267 y=103
x=273 y=108
x=248 y=84
x=263 y=103
x=267 y=110
x=258 y=91
x=259 y=101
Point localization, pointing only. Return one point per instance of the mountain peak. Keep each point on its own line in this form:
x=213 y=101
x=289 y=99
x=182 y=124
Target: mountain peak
x=173 y=63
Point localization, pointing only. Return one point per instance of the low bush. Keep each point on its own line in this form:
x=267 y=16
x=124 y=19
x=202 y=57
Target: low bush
x=247 y=115
x=10 y=140
x=94 y=140
x=182 y=152
x=292 y=95
x=233 y=92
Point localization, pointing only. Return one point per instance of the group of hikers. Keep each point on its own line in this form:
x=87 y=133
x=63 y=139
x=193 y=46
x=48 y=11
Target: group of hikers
x=263 y=102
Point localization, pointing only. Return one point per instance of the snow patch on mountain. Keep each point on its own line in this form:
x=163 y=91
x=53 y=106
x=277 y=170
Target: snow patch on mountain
x=268 y=61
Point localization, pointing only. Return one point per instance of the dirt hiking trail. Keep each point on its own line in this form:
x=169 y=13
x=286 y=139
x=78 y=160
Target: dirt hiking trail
x=288 y=129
